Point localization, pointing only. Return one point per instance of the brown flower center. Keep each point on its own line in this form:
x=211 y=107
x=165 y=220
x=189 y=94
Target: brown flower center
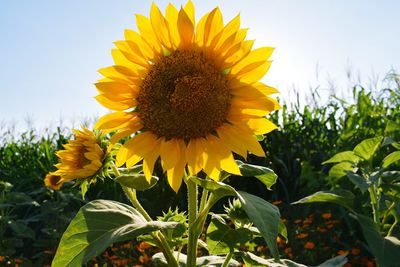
x=183 y=96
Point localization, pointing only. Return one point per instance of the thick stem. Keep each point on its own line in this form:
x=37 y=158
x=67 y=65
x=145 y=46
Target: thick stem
x=192 y=210
x=227 y=259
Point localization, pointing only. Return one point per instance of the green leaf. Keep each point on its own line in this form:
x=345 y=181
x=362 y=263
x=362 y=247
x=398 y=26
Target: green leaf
x=158 y=260
x=386 y=250
x=357 y=180
x=221 y=239
x=136 y=181
x=264 y=174
x=392 y=127
x=265 y=217
x=339 y=170
x=346 y=156
x=367 y=148
x=283 y=229
x=97 y=225
x=391 y=158
x=219 y=189
x=22 y=230
x=342 y=197
x=252 y=260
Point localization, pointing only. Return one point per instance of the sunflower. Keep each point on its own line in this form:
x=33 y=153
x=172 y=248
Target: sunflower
x=53 y=181
x=81 y=158
x=190 y=93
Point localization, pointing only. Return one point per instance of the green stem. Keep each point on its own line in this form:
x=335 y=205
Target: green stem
x=203 y=200
x=227 y=259
x=387 y=212
x=374 y=205
x=392 y=227
x=192 y=211
x=158 y=236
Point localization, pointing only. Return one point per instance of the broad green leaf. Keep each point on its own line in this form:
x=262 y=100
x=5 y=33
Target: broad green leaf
x=265 y=217
x=346 y=156
x=391 y=158
x=283 y=229
x=367 y=148
x=386 y=250
x=158 y=260
x=252 y=260
x=264 y=174
x=221 y=239
x=219 y=189
x=342 y=197
x=97 y=225
x=357 y=180
x=339 y=170
x=392 y=127
x=136 y=181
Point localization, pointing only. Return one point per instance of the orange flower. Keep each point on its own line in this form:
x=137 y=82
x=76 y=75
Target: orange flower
x=327 y=216
x=347 y=265
x=297 y=221
x=302 y=235
x=309 y=245
x=277 y=202
x=355 y=251
x=321 y=229
x=343 y=252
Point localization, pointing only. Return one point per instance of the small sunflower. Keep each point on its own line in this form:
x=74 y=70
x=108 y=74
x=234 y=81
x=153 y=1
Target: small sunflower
x=81 y=158
x=190 y=93
x=53 y=181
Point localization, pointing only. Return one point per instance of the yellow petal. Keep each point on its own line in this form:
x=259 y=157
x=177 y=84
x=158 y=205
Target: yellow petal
x=227 y=135
x=144 y=47
x=213 y=25
x=139 y=145
x=255 y=56
x=125 y=132
x=160 y=26
x=227 y=32
x=121 y=60
x=225 y=156
x=115 y=120
x=236 y=53
x=150 y=159
x=250 y=141
x=255 y=74
x=146 y=30
x=169 y=152
x=119 y=105
x=171 y=15
x=119 y=73
x=212 y=164
x=185 y=29
x=265 y=89
x=175 y=174
x=194 y=155
x=117 y=88
x=132 y=52
x=200 y=30
x=261 y=126
x=189 y=9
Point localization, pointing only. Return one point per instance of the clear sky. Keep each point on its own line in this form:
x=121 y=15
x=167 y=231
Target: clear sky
x=50 y=51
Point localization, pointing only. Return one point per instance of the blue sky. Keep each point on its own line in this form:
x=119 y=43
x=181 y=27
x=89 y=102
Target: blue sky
x=51 y=50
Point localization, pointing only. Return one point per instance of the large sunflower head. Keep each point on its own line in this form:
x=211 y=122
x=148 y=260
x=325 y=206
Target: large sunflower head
x=81 y=158
x=190 y=92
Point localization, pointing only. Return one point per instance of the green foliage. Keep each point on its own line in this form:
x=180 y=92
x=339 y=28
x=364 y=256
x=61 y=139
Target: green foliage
x=97 y=225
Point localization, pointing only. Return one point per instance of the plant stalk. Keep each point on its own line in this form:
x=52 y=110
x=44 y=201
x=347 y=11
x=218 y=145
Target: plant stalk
x=227 y=259
x=158 y=236
x=192 y=211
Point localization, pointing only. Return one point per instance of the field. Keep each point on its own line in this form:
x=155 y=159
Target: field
x=33 y=217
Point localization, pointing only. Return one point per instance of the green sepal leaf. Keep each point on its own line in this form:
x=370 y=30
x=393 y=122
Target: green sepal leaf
x=391 y=158
x=221 y=239
x=346 y=156
x=264 y=174
x=385 y=249
x=358 y=181
x=136 y=181
x=265 y=217
x=342 y=197
x=367 y=148
x=97 y=225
